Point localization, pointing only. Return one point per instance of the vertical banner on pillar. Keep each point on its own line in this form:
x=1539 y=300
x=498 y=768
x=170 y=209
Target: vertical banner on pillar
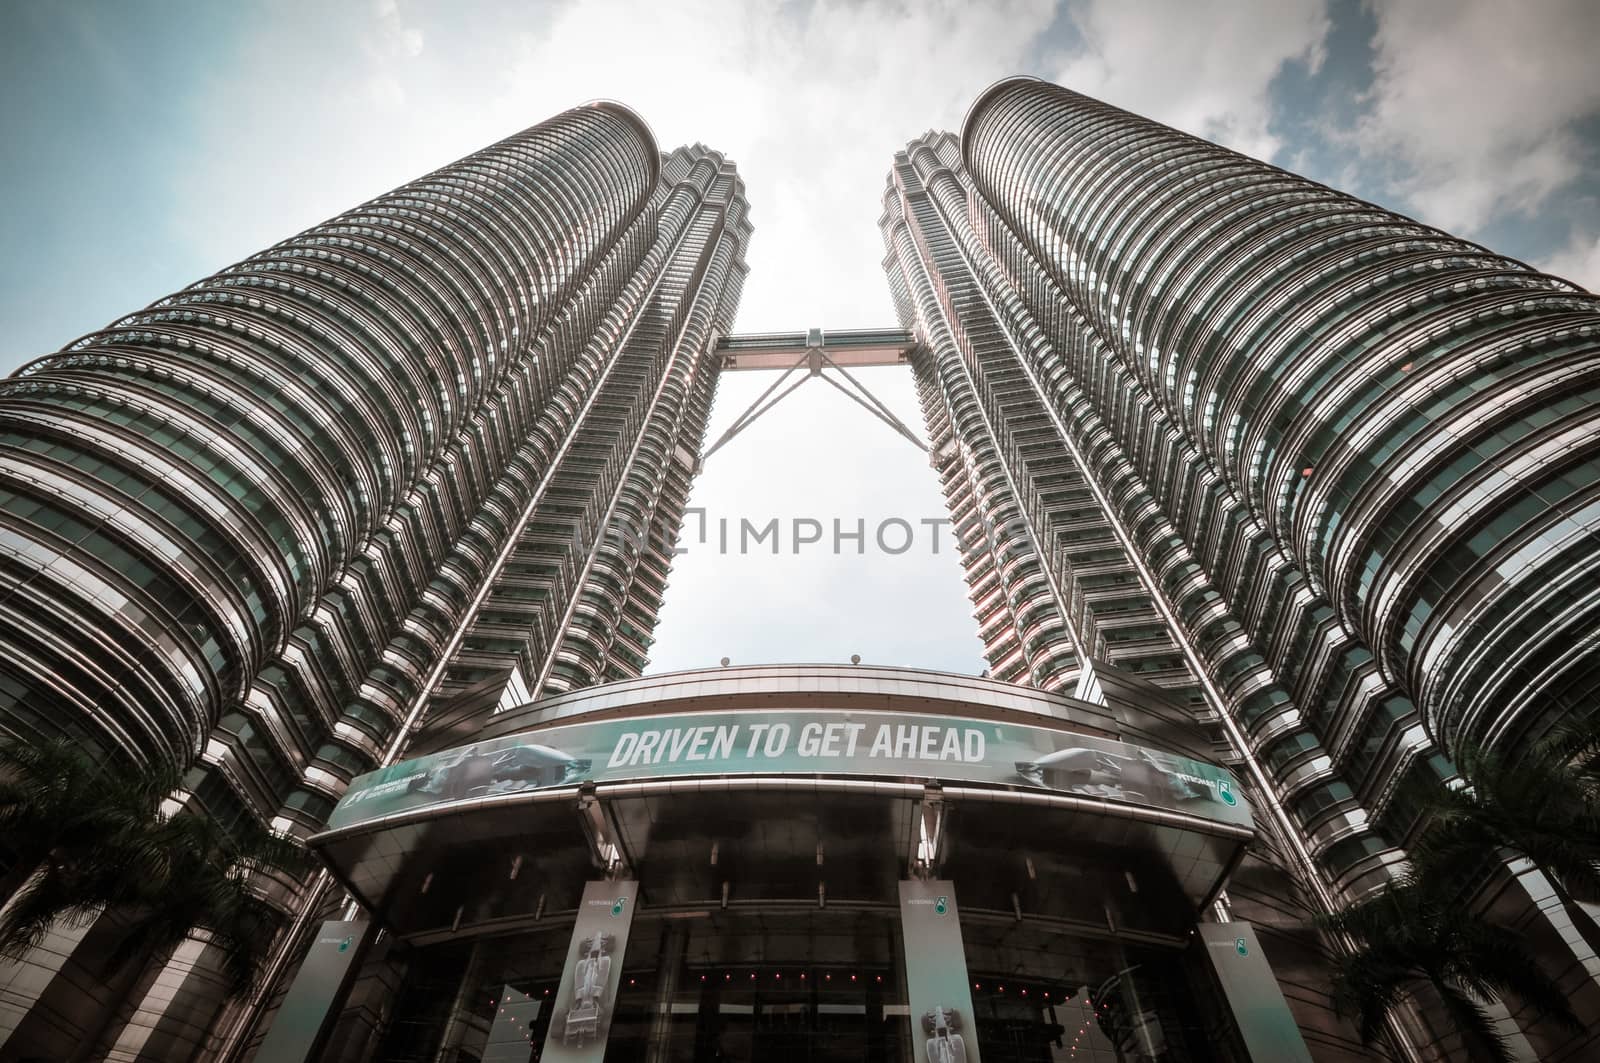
x=939 y=993
x=318 y=986
x=581 y=1020
x=1262 y=1015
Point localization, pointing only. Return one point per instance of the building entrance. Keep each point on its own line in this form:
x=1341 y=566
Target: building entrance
x=785 y=986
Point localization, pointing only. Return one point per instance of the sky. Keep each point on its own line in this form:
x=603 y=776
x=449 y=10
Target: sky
x=145 y=144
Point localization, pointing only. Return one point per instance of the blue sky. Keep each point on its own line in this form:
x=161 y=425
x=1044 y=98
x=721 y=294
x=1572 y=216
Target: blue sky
x=149 y=143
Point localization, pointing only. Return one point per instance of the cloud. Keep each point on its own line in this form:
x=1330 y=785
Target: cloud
x=1204 y=66
x=811 y=101
x=396 y=36
x=1475 y=104
x=1578 y=262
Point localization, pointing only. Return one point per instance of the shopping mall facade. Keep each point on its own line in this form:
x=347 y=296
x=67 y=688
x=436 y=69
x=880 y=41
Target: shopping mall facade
x=793 y=862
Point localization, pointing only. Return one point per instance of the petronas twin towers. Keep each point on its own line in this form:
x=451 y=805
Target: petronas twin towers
x=1324 y=478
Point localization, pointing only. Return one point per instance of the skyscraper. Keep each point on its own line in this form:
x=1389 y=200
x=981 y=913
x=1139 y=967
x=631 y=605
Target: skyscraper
x=242 y=523
x=1326 y=473
x=253 y=529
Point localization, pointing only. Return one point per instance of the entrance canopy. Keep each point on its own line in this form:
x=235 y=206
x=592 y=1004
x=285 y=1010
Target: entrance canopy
x=799 y=785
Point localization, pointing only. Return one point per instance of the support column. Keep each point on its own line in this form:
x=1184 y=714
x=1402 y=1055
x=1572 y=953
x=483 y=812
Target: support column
x=668 y=967
x=1262 y=1016
x=306 y=1015
x=581 y=1022
x=938 y=988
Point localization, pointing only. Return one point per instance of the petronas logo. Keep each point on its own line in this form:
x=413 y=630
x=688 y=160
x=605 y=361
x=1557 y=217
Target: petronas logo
x=344 y=946
x=1240 y=947
x=1226 y=791
x=618 y=904
x=941 y=905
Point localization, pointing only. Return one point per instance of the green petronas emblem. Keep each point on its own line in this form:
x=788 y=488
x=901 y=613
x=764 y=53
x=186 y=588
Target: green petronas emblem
x=617 y=905
x=941 y=905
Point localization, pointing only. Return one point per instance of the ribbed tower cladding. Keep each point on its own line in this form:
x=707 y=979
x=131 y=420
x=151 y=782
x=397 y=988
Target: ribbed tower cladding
x=247 y=528
x=1330 y=474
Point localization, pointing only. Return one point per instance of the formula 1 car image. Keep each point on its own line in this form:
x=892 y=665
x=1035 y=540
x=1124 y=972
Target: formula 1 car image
x=945 y=1043
x=1099 y=773
x=519 y=767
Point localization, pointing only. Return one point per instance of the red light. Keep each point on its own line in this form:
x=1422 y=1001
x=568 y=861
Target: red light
x=827 y=978
x=702 y=978
x=852 y=978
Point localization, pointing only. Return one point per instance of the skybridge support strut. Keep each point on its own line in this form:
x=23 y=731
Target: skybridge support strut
x=818 y=352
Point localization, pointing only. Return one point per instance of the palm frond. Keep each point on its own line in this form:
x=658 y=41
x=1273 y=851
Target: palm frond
x=1365 y=987
x=46 y=899
x=1500 y=961
x=1473 y=1022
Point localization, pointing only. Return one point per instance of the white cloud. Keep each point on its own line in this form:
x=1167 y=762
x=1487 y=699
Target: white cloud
x=1476 y=102
x=1203 y=66
x=1578 y=262
x=810 y=101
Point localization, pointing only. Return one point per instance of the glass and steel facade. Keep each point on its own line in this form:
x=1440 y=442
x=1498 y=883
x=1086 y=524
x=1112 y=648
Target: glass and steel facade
x=1325 y=472
x=256 y=528
x=241 y=524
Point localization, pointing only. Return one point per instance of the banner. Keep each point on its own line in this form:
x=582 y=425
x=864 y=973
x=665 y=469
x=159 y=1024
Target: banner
x=810 y=741
x=1259 y=1010
x=581 y=1021
x=320 y=983
x=942 y=1026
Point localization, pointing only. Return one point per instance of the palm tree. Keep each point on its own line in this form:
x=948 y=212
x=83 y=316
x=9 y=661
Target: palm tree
x=88 y=840
x=1415 y=933
x=203 y=881
x=78 y=835
x=1543 y=807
